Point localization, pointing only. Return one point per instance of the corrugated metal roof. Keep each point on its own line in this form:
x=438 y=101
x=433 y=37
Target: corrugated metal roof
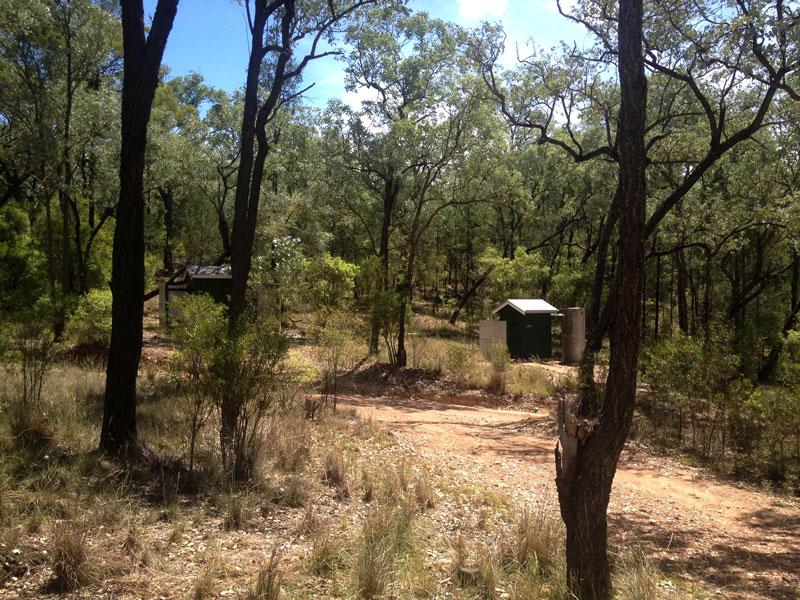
x=528 y=306
x=208 y=271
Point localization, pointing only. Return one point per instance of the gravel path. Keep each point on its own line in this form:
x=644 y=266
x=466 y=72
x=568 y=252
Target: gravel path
x=740 y=542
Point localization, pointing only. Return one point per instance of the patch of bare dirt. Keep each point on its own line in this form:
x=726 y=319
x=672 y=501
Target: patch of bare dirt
x=740 y=542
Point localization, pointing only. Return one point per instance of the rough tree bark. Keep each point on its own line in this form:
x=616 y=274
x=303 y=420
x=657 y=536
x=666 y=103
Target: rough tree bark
x=142 y=61
x=588 y=450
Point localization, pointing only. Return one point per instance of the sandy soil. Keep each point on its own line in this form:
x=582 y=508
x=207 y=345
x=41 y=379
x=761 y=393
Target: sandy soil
x=737 y=542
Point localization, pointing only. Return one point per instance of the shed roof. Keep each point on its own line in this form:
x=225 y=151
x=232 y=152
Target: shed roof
x=208 y=271
x=528 y=306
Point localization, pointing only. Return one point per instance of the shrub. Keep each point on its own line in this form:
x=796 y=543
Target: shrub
x=336 y=352
x=458 y=361
x=249 y=380
x=199 y=330
x=499 y=359
x=330 y=283
x=90 y=322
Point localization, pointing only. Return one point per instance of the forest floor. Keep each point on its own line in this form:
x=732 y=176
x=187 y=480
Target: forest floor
x=472 y=462
x=740 y=542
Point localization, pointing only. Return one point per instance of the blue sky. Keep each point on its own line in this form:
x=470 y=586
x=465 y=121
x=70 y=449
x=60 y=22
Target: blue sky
x=210 y=37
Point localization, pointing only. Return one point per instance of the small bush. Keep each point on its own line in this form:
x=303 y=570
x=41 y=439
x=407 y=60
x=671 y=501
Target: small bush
x=68 y=559
x=458 y=362
x=90 y=322
x=500 y=360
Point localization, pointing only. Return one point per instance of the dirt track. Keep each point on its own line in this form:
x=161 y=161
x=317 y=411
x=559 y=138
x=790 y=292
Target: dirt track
x=739 y=542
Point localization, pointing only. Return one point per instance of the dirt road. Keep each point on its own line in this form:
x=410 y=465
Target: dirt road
x=739 y=542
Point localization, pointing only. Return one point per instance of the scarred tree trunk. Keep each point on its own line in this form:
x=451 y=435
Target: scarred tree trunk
x=142 y=62
x=588 y=450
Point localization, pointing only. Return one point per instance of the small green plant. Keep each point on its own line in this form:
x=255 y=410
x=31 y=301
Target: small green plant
x=198 y=329
x=500 y=360
x=457 y=363
x=90 y=322
x=336 y=352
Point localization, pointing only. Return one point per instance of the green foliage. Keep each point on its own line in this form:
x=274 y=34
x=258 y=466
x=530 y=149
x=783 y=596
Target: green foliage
x=336 y=351
x=500 y=360
x=706 y=370
x=90 y=322
x=520 y=277
x=458 y=361
x=386 y=311
x=330 y=282
x=198 y=328
x=22 y=276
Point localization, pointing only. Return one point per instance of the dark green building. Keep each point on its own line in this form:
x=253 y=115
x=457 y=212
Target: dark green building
x=213 y=280
x=528 y=327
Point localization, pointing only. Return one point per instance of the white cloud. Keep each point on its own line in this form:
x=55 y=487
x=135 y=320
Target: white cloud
x=481 y=9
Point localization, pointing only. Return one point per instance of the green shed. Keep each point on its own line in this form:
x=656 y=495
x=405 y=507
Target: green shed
x=528 y=327
x=198 y=279
x=213 y=280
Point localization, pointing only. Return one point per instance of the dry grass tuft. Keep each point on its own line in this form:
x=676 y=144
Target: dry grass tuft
x=386 y=535
x=309 y=521
x=291 y=443
x=68 y=559
x=423 y=494
x=535 y=542
x=293 y=492
x=267 y=585
x=635 y=577
x=328 y=553
x=335 y=473
x=236 y=514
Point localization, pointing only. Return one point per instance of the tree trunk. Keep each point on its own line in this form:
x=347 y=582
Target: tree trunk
x=468 y=295
x=169 y=227
x=391 y=191
x=251 y=162
x=587 y=455
x=141 y=66
x=767 y=370
x=683 y=307
x=589 y=402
